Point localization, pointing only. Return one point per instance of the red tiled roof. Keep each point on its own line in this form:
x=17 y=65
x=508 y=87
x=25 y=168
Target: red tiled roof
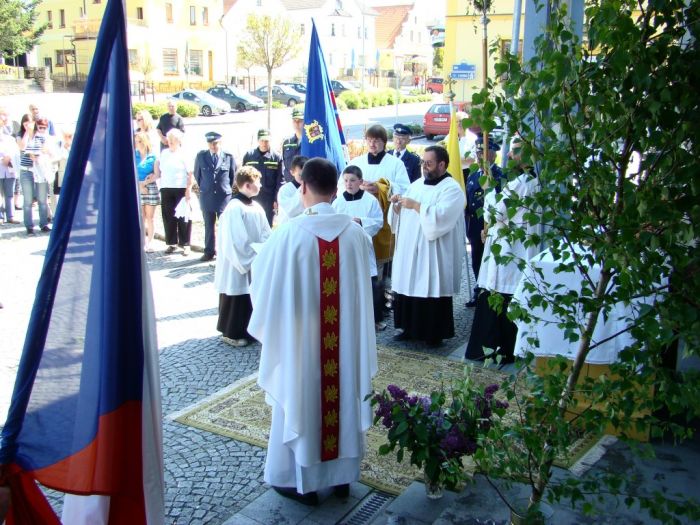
x=388 y=24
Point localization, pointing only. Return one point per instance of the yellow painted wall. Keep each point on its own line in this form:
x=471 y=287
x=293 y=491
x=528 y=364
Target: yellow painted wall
x=463 y=39
x=147 y=37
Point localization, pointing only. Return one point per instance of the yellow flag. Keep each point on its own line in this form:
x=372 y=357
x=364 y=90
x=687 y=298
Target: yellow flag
x=455 y=167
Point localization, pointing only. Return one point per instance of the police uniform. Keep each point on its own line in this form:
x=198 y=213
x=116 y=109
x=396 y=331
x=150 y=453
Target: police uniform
x=409 y=159
x=215 y=178
x=475 y=201
x=269 y=164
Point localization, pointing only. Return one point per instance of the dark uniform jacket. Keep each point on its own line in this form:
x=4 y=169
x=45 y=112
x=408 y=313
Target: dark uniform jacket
x=412 y=163
x=475 y=201
x=215 y=182
x=269 y=165
x=291 y=147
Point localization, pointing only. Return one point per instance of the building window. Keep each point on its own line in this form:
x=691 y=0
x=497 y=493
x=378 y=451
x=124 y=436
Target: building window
x=62 y=18
x=133 y=57
x=49 y=19
x=196 y=61
x=193 y=16
x=365 y=33
x=139 y=13
x=64 y=57
x=258 y=3
x=303 y=29
x=170 y=61
x=505 y=47
x=332 y=28
x=169 y=13
x=205 y=16
x=411 y=35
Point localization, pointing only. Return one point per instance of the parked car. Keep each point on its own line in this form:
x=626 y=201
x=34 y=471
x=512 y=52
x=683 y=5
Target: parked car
x=280 y=93
x=437 y=120
x=208 y=104
x=296 y=86
x=239 y=99
x=339 y=86
x=434 y=85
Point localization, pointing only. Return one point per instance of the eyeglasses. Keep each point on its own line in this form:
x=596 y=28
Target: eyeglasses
x=428 y=162
x=139 y=119
x=41 y=127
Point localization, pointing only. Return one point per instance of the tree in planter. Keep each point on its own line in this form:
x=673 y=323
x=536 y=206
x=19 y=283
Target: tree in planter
x=270 y=42
x=583 y=111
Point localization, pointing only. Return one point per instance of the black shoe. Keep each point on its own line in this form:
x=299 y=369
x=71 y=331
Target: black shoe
x=434 y=343
x=471 y=304
x=206 y=257
x=403 y=336
x=45 y=229
x=342 y=491
x=18 y=208
x=30 y=231
x=310 y=498
x=170 y=249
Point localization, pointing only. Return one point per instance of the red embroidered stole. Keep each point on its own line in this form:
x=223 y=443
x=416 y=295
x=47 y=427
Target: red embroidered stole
x=330 y=340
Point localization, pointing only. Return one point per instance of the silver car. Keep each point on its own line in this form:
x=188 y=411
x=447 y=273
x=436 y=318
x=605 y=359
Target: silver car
x=284 y=94
x=208 y=104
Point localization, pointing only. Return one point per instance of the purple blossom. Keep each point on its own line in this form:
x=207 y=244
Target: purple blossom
x=396 y=392
x=490 y=390
x=502 y=404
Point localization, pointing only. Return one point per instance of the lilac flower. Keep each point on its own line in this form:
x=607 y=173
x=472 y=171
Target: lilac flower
x=502 y=404
x=490 y=390
x=396 y=392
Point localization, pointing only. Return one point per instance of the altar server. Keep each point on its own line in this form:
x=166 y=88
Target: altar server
x=313 y=316
x=242 y=227
x=430 y=237
x=365 y=211
x=289 y=203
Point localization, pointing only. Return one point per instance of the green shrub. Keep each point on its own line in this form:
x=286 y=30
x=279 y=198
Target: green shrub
x=277 y=105
x=350 y=98
x=184 y=109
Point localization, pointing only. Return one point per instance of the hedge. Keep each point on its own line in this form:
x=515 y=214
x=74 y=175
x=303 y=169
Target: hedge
x=376 y=97
x=184 y=109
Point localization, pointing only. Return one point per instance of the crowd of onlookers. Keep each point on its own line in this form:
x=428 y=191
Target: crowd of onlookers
x=33 y=156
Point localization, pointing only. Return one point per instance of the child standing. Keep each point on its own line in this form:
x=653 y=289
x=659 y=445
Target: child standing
x=364 y=209
x=242 y=226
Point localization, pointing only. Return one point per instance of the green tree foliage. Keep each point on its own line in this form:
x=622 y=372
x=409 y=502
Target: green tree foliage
x=269 y=42
x=584 y=112
x=438 y=59
x=18 y=30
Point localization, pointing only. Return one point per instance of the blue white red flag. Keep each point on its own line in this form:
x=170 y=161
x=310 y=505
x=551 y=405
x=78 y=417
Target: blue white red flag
x=323 y=134
x=85 y=415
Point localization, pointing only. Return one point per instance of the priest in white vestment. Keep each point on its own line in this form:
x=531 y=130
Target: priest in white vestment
x=378 y=164
x=289 y=203
x=429 y=226
x=312 y=312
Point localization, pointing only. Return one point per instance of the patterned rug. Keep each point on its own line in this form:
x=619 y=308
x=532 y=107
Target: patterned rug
x=240 y=411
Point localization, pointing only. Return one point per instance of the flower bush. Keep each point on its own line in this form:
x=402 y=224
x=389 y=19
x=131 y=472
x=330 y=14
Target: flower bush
x=438 y=432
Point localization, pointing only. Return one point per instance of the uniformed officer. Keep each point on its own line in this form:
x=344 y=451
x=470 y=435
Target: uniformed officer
x=269 y=164
x=402 y=137
x=291 y=147
x=214 y=171
x=475 y=201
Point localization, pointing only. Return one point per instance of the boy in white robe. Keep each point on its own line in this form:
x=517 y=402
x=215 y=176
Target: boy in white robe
x=288 y=294
x=242 y=226
x=365 y=211
x=289 y=203
x=429 y=226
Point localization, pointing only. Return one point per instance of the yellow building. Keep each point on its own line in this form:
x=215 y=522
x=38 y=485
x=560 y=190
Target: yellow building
x=168 y=41
x=463 y=41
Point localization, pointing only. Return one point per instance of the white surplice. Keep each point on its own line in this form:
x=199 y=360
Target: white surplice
x=504 y=278
x=241 y=228
x=429 y=243
x=289 y=203
x=286 y=320
x=366 y=208
x=390 y=168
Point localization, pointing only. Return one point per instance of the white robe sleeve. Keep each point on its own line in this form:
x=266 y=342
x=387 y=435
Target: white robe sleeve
x=374 y=220
x=400 y=182
x=438 y=219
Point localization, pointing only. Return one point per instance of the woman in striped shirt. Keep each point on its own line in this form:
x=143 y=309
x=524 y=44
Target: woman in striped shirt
x=36 y=164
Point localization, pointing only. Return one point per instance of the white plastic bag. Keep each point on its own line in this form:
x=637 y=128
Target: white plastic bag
x=183 y=210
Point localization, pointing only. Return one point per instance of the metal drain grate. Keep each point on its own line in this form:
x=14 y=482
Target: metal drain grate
x=368 y=509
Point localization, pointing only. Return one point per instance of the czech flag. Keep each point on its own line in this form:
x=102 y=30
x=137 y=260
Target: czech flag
x=322 y=135
x=85 y=416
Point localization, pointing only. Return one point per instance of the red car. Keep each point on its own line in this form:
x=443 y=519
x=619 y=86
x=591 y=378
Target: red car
x=434 y=85
x=437 y=120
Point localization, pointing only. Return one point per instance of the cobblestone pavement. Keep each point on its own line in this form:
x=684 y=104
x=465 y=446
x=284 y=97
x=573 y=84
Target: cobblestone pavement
x=208 y=477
